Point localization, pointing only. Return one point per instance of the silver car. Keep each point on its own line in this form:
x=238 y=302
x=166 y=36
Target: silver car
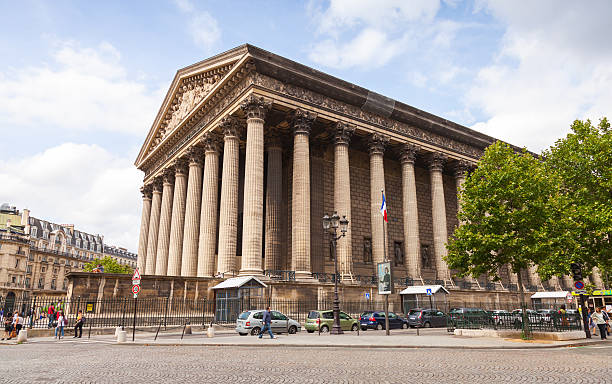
x=251 y=322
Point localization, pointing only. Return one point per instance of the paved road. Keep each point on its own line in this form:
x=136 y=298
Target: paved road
x=80 y=361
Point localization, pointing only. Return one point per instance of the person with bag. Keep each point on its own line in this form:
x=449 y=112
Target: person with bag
x=598 y=319
x=78 y=325
x=8 y=327
x=17 y=324
x=61 y=321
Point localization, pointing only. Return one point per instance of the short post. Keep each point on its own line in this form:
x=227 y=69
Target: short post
x=134 y=323
x=158 y=327
x=33 y=311
x=166 y=313
x=89 y=332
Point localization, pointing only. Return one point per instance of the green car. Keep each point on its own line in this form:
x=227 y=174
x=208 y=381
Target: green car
x=325 y=319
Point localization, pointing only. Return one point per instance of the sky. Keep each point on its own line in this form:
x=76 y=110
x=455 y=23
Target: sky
x=81 y=81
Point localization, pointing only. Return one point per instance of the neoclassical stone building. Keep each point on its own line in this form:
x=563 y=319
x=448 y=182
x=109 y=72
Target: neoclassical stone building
x=249 y=150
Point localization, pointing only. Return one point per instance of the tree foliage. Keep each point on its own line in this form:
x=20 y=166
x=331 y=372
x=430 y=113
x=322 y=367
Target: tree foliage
x=110 y=266
x=506 y=204
x=582 y=162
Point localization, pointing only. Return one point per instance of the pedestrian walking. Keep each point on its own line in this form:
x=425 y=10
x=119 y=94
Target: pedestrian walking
x=8 y=327
x=51 y=315
x=61 y=322
x=598 y=319
x=78 y=325
x=607 y=320
x=267 y=321
x=592 y=326
x=17 y=323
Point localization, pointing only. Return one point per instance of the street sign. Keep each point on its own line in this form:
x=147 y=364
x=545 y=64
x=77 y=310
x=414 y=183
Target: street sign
x=367 y=295
x=579 y=285
x=136 y=275
x=428 y=291
x=581 y=291
x=135 y=289
x=135 y=282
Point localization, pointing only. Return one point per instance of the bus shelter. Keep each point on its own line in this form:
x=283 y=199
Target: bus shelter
x=551 y=300
x=232 y=295
x=423 y=296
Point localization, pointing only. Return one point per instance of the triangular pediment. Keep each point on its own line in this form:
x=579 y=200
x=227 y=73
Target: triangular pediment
x=191 y=85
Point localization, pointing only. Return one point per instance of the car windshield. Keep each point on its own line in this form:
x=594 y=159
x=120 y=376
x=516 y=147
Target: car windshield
x=244 y=315
x=313 y=315
x=366 y=314
x=456 y=310
x=414 y=312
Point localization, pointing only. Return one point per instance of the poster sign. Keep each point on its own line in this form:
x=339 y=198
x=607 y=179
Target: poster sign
x=384 y=278
x=89 y=307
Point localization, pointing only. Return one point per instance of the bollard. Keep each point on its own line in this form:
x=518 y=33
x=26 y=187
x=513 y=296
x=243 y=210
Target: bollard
x=210 y=332
x=188 y=330
x=22 y=337
x=121 y=336
x=117 y=330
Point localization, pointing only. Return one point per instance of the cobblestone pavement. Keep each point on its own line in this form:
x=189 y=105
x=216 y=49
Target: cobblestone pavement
x=71 y=362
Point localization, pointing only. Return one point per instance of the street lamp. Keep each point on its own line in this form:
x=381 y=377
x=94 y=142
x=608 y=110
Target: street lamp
x=331 y=224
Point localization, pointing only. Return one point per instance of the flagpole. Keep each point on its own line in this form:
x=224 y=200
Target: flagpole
x=382 y=192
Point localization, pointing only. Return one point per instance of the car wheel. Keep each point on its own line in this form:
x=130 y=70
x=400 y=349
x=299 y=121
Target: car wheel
x=292 y=329
x=354 y=327
x=379 y=327
x=364 y=328
x=310 y=331
x=255 y=331
x=324 y=329
x=427 y=324
x=242 y=333
x=404 y=326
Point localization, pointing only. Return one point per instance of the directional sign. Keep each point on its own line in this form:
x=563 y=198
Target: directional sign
x=135 y=289
x=579 y=285
x=367 y=295
x=428 y=291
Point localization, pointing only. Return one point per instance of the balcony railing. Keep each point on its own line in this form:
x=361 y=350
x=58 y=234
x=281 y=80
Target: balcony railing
x=16 y=238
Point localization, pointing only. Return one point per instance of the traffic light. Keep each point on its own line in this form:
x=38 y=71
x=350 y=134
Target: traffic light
x=576 y=270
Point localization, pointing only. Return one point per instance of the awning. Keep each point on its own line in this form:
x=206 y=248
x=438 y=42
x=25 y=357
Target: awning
x=237 y=282
x=550 y=295
x=422 y=290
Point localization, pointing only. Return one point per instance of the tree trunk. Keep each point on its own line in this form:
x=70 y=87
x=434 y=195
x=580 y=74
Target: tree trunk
x=524 y=325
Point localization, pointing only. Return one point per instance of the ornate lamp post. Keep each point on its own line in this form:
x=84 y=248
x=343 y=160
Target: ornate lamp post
x=331 y=224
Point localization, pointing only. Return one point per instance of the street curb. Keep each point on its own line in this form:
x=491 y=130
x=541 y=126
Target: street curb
x=352 y=346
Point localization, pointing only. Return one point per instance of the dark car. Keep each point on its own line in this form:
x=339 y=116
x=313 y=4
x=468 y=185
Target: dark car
x=469 y=316
x=376 y=320
x=425 y=318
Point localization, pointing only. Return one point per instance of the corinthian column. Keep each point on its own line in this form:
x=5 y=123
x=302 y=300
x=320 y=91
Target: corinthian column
x=255 y=109
x=189 y=264
x=411 y=212
x=228 y=219
x=208 y=215
x=438 y=211
x=144 y=227
x=377 y=145
x=274 y=191
x=178 y=218
x=163 y=241
x=342 y=194
x=300 y=199
x=153 y=228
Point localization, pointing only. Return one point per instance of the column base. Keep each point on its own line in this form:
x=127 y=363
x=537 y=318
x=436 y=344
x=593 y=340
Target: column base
x=303 y=275
x=250 y=272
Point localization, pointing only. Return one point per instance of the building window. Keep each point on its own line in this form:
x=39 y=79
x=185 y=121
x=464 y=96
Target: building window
x=43 y=269
x=367 y=250
x=78 y=243
x=55 y=271
x=34 y=231
x=14 y=279
x=16 y=263
x=27 y=282
x=29 y=269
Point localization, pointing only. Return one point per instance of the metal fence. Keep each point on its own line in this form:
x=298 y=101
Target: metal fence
x=500 y=320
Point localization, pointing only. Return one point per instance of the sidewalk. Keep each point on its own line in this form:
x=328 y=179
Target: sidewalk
x=430 y=338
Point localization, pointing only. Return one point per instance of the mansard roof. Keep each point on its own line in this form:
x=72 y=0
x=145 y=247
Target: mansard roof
x=293 y=73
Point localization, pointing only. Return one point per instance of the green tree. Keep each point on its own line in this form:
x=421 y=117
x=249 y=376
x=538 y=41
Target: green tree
x=110 y=266
x=506 y=204
x=582 y=161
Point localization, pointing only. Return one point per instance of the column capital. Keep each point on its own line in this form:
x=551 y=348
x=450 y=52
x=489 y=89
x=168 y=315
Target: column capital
x=377 y=143
x=147 y=191
x=408 y=153
x=195 y=154
x=157 y=184
x=461 y=168
x=255 y=107
x=230 y=126
x=436 y=161
x=180 y=166
x=168 y=176
x=343 y=132
x=210 y=142
x=302 y=121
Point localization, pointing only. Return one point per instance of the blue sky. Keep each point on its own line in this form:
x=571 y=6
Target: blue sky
x=80 y=82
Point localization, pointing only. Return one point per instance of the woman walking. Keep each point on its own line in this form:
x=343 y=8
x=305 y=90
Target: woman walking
x=8 y=327
x=600 y=321
x=59 y=330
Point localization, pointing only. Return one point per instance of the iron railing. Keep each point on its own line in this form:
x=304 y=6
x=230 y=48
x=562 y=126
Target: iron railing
x=536 y=322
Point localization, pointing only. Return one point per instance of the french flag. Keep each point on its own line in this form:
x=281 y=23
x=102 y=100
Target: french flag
x=383 y=207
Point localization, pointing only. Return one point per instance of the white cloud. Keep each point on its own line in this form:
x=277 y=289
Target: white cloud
x=78 y=184
x=83 y=89
x=202 y=26
x=554 y=65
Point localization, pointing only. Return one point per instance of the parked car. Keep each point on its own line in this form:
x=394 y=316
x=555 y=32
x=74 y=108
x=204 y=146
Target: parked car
x=533 y=316
x=325 y=320
x=376 y=320
x=425 y=318
x=252 y=322
x=548 y=314
x=472 y=316
x=501 y=317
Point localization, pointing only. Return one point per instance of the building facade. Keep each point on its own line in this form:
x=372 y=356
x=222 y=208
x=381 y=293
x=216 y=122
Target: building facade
x=36 y=255
x=250 y=150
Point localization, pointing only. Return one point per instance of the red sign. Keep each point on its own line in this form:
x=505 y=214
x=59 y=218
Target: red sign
x=135 y=289
x=579 y=285
x=136 y=275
